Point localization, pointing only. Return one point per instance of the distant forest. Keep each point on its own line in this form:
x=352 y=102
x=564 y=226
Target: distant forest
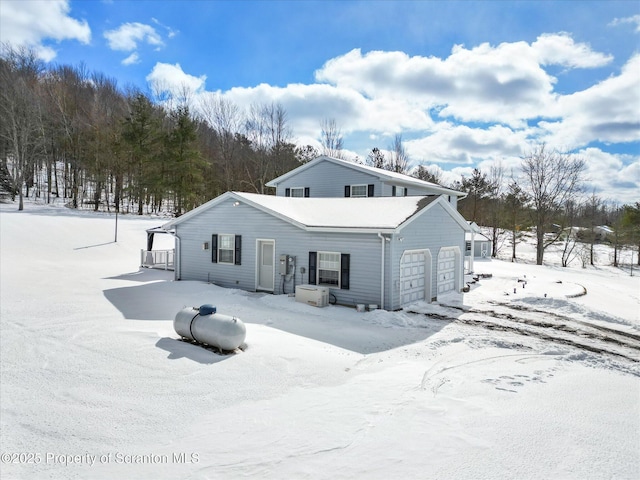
x=73 y=134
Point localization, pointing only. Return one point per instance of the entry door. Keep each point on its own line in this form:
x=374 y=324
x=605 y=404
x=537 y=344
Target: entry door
x=265 y=264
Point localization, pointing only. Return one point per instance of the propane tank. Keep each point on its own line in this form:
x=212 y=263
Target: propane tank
x=203 y=325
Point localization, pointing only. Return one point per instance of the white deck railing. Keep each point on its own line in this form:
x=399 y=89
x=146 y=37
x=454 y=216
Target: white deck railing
x=162 y=259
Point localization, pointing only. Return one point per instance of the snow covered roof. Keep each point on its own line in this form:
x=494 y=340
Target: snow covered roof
x=383 y=214
x=379 y=172
x=478 y=237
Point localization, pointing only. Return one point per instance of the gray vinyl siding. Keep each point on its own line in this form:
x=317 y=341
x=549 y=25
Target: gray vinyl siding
x=327 y=179
x=412 y=191
x=433 y=230
x=253 y=224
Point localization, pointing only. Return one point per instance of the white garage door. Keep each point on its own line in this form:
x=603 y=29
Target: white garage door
x=447 y=270
x=415 y=275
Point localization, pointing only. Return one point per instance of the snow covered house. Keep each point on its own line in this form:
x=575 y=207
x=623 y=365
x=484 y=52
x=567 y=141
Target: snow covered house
x=332 y=177
x=381 y=250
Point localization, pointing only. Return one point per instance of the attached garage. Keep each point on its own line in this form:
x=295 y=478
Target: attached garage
x=449 y=271
x=415 y=276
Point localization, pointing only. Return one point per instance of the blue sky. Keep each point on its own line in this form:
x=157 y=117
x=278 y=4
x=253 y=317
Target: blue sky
x=467 y=83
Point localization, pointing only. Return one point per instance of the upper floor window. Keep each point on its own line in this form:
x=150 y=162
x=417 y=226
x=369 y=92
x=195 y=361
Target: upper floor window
x=398 y=191
x=359 y=190
x=296 y=192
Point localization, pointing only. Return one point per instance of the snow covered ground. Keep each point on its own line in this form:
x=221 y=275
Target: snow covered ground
x=493 y=384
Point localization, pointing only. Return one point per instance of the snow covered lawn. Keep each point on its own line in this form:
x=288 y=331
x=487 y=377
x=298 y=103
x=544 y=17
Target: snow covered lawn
x=495 y=384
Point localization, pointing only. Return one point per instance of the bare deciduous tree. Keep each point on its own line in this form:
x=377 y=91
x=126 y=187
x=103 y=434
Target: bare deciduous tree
x=398 y=160
x=225 y=119
x=551 y=178
x=331 y=138
x=21 y=112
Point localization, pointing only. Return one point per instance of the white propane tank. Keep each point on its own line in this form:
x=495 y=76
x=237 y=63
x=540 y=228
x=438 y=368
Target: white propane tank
x=203 y=325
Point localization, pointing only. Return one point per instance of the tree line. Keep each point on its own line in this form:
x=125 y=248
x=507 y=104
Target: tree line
x=72 y=134
x=546 y=196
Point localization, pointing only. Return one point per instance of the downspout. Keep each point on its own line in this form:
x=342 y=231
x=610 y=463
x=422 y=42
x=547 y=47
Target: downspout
x=176 y=257
x=381 y=237
x=473 y=250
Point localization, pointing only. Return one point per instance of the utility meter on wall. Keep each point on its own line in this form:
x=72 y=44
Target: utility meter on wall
x=284 y=264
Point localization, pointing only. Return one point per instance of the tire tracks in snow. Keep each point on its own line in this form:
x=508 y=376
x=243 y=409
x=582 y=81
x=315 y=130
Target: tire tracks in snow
x=548 y=326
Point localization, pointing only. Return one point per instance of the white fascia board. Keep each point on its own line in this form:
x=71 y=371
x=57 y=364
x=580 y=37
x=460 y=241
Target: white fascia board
x=371 y=230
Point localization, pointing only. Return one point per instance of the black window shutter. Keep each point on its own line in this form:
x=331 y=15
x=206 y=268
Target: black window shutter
x=393 y=190
x=287 y=192
x=312 y=267
x=306 y=191
x=347 y=190
x=214 y=248
x=238 y=250
x=345 y=259
x=370 y=190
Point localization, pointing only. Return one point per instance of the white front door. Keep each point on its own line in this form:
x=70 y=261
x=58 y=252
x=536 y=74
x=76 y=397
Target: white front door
x=265 y=264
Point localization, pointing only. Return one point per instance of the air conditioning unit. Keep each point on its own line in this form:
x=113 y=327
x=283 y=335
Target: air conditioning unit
x=312 y=295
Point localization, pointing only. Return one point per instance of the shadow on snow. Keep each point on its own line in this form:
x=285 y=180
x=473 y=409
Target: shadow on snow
x=156 y=297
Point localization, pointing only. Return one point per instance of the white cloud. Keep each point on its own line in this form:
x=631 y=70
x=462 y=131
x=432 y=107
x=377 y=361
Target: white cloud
x=30 y=23
x=127 y=37
x=606 y=112
x=635 y=19
x=460 y=144
x=172 y=79
x=504 y=83
x=131 y=59
x=612 y=176
x=560 y=49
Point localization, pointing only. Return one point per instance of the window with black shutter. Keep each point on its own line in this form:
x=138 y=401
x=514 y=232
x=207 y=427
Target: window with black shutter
x=345 y=260
x=226 y=248
x=238 y=250
x=214 y=248
x=330 y=269
x=312 y=267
